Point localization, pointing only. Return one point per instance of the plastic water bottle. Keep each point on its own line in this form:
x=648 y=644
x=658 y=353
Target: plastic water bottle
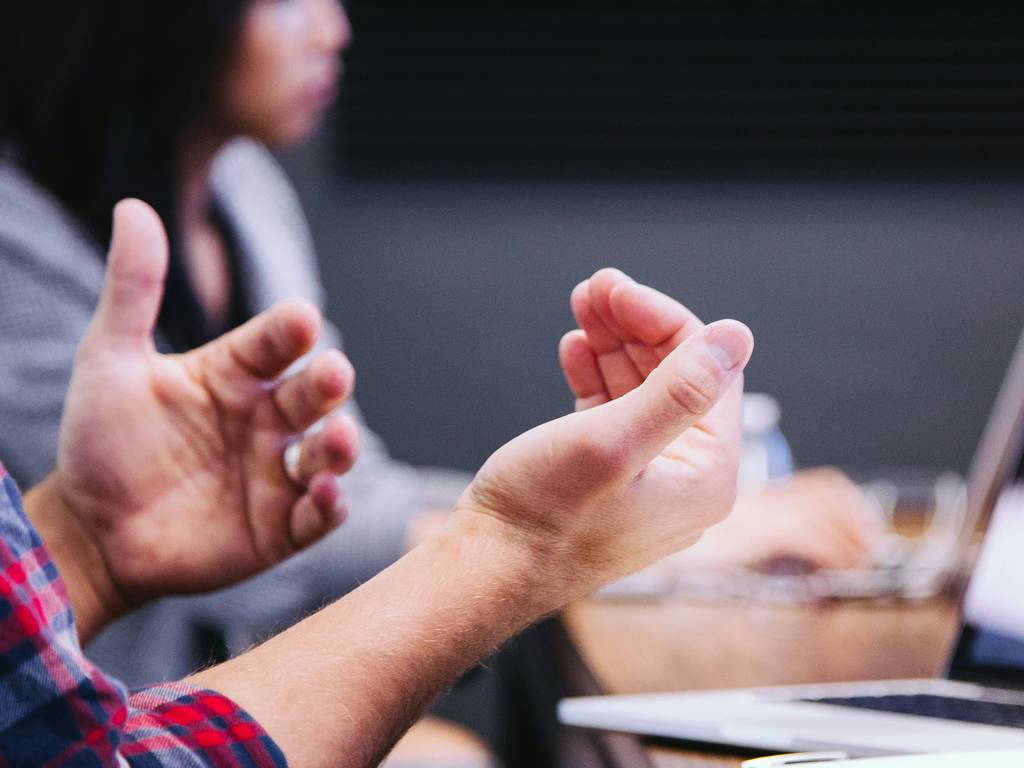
x=766 y=455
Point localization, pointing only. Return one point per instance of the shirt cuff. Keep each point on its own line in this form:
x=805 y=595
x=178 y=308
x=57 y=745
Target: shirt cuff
x=169 y=720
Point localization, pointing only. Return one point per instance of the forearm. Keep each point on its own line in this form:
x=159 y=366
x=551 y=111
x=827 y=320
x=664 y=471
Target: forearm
x=94 y=600
x=340 y=687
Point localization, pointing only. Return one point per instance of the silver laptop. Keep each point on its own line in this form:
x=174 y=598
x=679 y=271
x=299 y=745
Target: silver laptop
x=978 y=705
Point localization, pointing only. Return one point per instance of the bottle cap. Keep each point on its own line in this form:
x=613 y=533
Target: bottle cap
x=761 y=413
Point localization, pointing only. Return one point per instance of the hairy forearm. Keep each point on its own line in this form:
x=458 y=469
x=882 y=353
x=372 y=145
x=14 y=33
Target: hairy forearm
x=340 y=687
x=94 y=600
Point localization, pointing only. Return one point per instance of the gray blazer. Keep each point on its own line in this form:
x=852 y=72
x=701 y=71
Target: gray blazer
x=51 y=271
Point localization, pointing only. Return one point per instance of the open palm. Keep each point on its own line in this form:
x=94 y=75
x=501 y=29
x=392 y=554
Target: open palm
x=172 y=463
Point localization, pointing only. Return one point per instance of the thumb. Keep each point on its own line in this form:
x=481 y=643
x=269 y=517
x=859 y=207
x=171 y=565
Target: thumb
x=133 y=288
x=683 y=390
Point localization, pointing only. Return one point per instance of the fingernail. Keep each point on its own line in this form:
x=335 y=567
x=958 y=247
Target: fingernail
x=728 y=345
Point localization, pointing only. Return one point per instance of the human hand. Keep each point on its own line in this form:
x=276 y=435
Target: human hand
x=170 y=466
x=643 y=469
x=625 y=330
x=550 y=516
x=818 y=519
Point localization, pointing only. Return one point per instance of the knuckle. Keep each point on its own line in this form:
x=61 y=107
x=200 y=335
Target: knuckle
x=269 y=342
x=299 y=396
x=131 y=284
x=693 y=391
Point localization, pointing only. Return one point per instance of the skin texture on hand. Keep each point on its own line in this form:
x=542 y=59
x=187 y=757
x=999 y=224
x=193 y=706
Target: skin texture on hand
x=551 y=515
x=169 y=466
x=610 y=489
x=625 y=330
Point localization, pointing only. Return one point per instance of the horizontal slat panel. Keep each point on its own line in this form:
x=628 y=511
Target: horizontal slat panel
x=637 y=87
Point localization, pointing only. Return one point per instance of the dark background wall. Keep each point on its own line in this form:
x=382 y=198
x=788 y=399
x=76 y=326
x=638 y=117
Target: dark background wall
x=884 y=312
x=871 y=235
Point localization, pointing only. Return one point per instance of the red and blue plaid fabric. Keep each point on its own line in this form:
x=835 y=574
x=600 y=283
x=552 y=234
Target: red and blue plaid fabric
x=57 y=709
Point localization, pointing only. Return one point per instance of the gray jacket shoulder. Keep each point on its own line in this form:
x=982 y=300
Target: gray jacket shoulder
x=38 y=236
x=51 y=273
x=258 y=199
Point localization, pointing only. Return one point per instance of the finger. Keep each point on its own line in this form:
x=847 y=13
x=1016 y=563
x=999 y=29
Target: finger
x=725 y=421
x=133 y=287
x=581 y=370
x=270 y=342
x=333 y=449
x=600 y=288
x=643 y=358
x=648 y=325
x=656 y=323
x=586 y=403
x=318 y=389
x=317 y=512
x=651 y=317
x=602 y=338
x=579 y=364
x=619 y=372
x=681 y=392
x=617 y=369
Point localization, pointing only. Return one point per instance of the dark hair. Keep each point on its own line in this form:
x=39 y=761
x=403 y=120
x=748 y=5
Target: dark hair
x=96 y=97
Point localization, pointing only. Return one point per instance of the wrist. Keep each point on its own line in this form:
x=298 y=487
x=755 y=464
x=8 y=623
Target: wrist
x=521 y=566
x=95 y=598
x=379 y=655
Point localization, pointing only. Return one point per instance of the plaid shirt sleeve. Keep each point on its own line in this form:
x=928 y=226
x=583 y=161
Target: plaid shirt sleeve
x=57 y=709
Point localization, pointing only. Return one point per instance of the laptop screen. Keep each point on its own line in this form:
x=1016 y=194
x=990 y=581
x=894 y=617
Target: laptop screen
x=992 y=646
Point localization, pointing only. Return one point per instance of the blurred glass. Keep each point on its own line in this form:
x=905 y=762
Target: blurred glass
x=766 y=455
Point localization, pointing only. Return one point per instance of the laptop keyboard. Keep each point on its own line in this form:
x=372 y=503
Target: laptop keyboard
x=947 y=708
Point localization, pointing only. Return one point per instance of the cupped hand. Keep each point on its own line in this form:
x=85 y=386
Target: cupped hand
x=171 y=465
x=625 y=330
x=640 y=471
x=817 y=519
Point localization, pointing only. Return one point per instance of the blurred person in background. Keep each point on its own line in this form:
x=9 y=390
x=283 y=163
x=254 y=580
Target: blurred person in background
x=176 y=103
x=173 y=103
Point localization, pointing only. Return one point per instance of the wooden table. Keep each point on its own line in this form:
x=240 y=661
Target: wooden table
x=639 y=647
